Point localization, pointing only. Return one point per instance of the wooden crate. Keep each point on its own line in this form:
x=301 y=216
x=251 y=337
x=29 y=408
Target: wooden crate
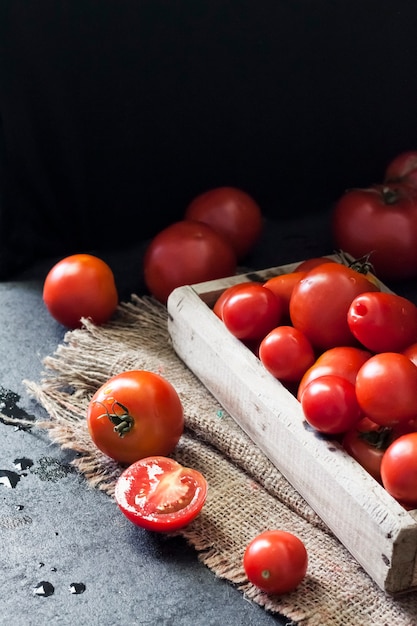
x=378 y=532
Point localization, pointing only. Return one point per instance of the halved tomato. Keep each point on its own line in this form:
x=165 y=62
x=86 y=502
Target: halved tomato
x=160 y=494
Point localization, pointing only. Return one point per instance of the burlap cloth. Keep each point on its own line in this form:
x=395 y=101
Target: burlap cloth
x=247 y=494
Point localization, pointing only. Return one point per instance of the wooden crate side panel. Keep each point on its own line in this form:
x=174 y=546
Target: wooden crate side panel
x=376 y=530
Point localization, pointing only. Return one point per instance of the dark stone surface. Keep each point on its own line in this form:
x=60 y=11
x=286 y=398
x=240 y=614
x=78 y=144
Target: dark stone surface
x=56 y=529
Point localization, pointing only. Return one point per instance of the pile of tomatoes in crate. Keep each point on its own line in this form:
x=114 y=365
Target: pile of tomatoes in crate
x=348 y=350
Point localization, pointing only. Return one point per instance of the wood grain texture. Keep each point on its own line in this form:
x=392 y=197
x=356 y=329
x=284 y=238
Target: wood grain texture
x=379 y=533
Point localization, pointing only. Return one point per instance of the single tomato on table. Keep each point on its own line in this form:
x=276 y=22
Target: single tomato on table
x=80 y=285
x=275 y=561
x=380 y=221
x=160 y=494
x=231 y=212
x=184 y=253
x=135 y=414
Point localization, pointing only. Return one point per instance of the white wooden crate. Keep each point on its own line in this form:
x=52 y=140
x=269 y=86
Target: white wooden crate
x=378 y=531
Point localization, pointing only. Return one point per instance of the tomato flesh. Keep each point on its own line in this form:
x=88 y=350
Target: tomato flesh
x=160 y=494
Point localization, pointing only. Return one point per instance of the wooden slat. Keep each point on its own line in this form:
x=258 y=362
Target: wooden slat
x=378 y=532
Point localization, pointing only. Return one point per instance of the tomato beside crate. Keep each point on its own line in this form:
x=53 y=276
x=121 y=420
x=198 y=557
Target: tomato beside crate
x=379 y=532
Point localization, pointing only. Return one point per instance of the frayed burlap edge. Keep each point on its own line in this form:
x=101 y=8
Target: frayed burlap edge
x=247 y=494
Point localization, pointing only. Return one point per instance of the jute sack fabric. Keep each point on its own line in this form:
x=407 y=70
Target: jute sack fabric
x=247 y=494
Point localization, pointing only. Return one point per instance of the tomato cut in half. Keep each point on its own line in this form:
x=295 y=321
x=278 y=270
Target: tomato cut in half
x=160 y=494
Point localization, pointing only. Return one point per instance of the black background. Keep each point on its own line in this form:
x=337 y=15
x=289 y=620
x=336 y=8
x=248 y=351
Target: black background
x=115 y=114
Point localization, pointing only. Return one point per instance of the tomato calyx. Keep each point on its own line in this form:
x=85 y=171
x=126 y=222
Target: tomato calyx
x=378 y=439
x=123 y=423
x=362 y=265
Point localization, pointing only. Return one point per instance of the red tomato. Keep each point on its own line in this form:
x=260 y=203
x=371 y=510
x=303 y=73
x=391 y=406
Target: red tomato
x=383 y=322
x=218 y=305
x=275 y=561
x=386 y=388
x=282 y=286
x=411 y=352
x=159 y=494
x=399 y=470
x=184 y=253
x=366 y=442
x=320 y=302
x=286 y=353
x=309 y=264
x=401 y=166
x=135 y=414
x=251 y=312
x=344 y=361
x=329 y=404
x=79 y=286
x=381 y=221
x=231 y=212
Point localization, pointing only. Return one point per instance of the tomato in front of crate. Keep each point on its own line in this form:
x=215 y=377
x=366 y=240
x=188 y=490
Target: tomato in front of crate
x=399 y=470
x=185 y=253
x=366 y=442
x=381 y=221
x=320 y=302
x=80 y=285
x=231 y=212
x=160 y=494
x=386 y=388
x=383 y=322
x=330 y=405
x=344 y=361
x=275 y=561
x=135 y=414
x=286 y=353
x=251 y=312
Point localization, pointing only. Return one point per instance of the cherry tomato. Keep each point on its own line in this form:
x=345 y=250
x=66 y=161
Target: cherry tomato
x=399 y=470
x=366 y=442
x=159 y=494
x=383 y=322
x=381 y=220
x=400 y=166
x=282 y=286
x=411 y=352
x=80 y=285
x=218 y=305
x=386 y=388
x=329 y=404
x=135 y=414
x=275 y=561
x=344 y=361
x=251 y=312
x=309 y=264
x=184 y=253
x=231 y=212
x=286 y=353
x=320 y=302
